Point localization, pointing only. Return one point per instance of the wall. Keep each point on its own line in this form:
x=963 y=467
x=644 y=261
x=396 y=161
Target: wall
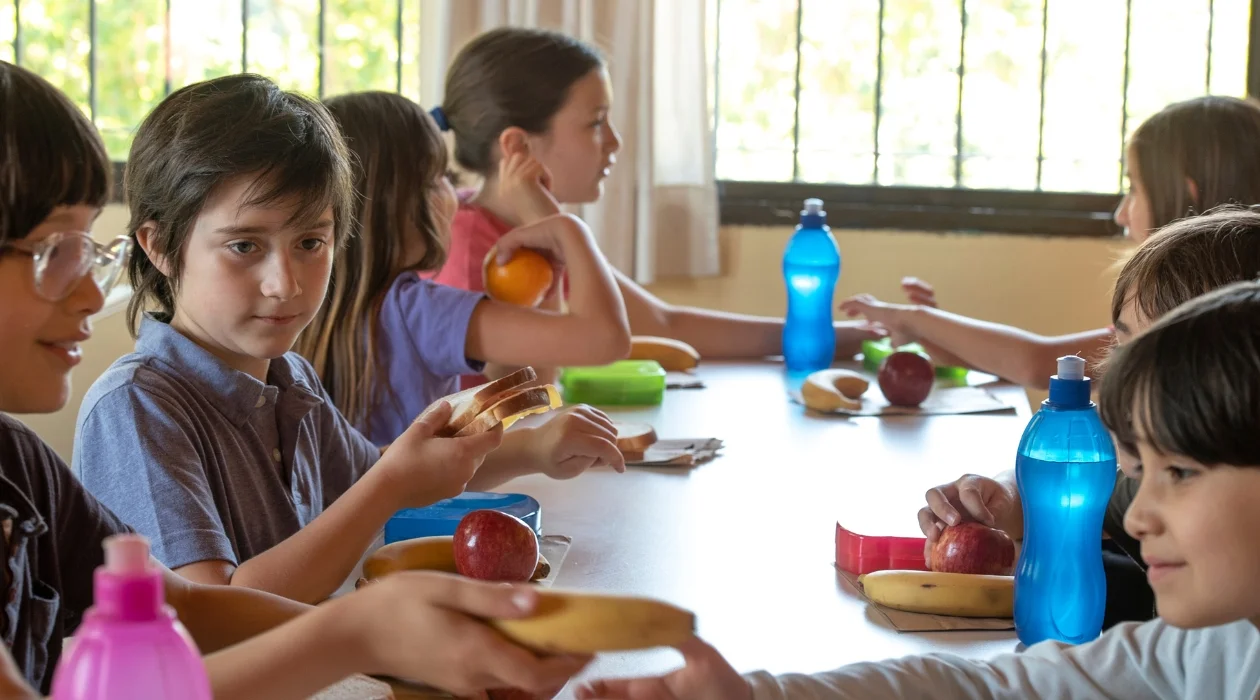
x=1048 y=285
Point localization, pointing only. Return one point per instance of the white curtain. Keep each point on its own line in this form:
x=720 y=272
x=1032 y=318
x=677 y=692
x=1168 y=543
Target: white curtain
x=659 y=213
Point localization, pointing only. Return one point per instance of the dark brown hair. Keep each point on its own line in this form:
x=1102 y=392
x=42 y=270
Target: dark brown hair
x=399 y=156
x=510 y=77
x=1190 y=385
x=1187 y=258
x=53 y=155
x=209 y=132
x=1212 y=141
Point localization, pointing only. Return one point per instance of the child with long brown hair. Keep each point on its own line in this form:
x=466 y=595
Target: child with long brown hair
x=387 y=343
x=514 y=91
x=1188 y=158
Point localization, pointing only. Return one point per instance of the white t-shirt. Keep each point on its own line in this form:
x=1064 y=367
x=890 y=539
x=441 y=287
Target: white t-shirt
x=1149 y=660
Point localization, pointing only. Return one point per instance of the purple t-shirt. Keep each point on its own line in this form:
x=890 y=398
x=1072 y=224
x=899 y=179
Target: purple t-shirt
x=423 y=329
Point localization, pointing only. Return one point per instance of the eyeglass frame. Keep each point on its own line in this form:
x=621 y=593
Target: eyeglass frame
x=110 y=257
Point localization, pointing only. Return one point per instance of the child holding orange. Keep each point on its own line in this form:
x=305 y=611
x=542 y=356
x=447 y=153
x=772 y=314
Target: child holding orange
x=527 y=92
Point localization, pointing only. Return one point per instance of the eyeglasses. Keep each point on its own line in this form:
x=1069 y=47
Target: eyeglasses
x=62 y=259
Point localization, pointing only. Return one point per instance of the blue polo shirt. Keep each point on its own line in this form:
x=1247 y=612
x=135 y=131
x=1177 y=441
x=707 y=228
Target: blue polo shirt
x=208 y=462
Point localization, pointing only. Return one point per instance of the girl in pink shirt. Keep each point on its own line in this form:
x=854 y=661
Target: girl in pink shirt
x=528 y=91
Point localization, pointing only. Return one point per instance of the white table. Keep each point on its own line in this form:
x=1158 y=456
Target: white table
x=747 y=541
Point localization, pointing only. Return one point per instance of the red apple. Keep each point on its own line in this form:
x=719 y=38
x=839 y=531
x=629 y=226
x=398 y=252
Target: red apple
x=494 y=546
x=906 y=378
x=972 y=548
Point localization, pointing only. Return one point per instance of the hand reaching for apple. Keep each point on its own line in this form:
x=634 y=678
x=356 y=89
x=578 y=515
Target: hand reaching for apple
x=706 y=676
x=970 y=498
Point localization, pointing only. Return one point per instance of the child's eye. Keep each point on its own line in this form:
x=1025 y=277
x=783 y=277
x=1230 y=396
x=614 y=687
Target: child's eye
x=242 y=247
x=1180 y=473
x=312 y=244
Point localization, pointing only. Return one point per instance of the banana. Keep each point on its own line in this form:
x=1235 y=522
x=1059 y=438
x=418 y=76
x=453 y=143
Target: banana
x=421 y=553
x=961 y=595
x=832 y=389
x=567 y=622
x=674 y=355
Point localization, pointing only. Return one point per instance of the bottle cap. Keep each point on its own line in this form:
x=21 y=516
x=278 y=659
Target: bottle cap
x=1072 y=368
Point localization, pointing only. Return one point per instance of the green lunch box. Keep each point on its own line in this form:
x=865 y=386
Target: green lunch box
x=623 y=383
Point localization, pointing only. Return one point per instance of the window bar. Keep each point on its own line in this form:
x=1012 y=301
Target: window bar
x=962 y=62
x=796 y=99
x=244 y=35
x=92 y=59
x=879 y=89
x=166 y=49
x=1207 y=82
x=17 y=32
x=319 y=78
x=1041 y=110
x=717 y=78
x=1124 y=91
x=398 y=37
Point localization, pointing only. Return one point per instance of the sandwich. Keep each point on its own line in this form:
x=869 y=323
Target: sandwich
x=502 y=401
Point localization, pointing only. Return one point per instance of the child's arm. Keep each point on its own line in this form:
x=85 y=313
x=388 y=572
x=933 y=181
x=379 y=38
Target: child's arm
x=719 y=334
x=1011 y=353
x=594 y=331
x=422 y=627
x=13 y=685
x=1130 y=660
x=417 y=470
x=138 y=453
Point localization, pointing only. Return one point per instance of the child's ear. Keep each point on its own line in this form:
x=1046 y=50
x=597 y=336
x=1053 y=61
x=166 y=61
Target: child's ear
x=513 y=140
x=145 y=238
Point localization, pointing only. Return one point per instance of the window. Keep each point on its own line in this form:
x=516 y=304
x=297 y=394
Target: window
x=1006 y=115
x=118 y=58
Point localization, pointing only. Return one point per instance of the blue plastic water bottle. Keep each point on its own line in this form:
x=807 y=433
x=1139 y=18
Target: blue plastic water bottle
x=1066 y=469
x=811 y=266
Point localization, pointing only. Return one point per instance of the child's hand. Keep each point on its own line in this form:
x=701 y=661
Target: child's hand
x=706 y=676
x=525 y=185
x=894 y=318
x=427 y=627
x=971 y=497
x=574 y=440
x=556 y=237
x=849 y=337
x=919 y=292
x=425 y=469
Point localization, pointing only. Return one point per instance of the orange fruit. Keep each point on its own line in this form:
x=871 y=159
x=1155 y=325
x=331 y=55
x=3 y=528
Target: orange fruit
x=524 y=280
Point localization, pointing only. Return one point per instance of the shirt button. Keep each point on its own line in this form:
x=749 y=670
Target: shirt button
x=261 y=400
x=275 y=454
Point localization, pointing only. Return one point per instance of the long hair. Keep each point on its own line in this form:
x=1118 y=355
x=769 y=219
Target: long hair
x=399 y=157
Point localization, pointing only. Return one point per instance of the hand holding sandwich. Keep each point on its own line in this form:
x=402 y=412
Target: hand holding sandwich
x=425 y=468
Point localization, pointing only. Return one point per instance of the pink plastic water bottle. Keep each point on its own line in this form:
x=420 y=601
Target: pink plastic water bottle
x=130 y=644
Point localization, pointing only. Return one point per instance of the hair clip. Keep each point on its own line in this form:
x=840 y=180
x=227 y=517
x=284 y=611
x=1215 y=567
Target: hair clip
x=439 y=116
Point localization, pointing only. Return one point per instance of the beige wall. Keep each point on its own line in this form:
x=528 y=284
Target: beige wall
x=1048 y=285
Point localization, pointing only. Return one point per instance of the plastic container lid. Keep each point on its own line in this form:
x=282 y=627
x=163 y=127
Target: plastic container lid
x=623 y=383
x=443 y=517
x=862 y=554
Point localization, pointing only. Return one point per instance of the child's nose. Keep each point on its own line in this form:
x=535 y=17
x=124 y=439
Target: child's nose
x=1121 y=215
x=280 y=281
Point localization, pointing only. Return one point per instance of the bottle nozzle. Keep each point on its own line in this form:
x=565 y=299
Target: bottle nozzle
x=126 y=554
x=1072 y=368
x=813 y=205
